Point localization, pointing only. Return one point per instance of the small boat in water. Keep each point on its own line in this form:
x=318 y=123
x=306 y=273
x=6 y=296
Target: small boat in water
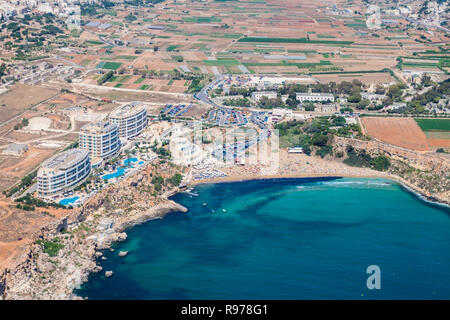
x=204 y=203
x=224 y=210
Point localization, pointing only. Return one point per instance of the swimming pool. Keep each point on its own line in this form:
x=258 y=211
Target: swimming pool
x=129 y=161
x=119 y=172
x=68 y=201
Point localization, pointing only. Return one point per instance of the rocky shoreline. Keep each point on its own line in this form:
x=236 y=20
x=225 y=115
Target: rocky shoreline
x=41 y=276
x=64 y=252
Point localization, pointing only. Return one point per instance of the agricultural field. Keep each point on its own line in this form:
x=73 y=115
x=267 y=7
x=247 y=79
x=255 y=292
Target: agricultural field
x=236 y=37
x=434 y=125
x=437 y=131
x=402 y=132
x=109 y=65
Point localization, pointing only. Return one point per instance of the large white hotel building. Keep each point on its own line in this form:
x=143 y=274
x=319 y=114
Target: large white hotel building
x=101 y=139
x=131 y=119
x=63 y=171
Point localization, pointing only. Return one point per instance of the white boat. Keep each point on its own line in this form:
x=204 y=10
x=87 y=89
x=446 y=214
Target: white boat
x=224 y=210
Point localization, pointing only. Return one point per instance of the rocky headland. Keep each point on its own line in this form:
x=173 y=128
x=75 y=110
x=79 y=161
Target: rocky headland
x=64 y=252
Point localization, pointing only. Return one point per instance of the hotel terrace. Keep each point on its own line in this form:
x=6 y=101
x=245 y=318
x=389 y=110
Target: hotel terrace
x=63 y=172
x=131 y=119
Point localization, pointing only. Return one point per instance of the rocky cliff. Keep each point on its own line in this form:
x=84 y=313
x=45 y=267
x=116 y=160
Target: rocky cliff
x=65 y=251
x=425 y=172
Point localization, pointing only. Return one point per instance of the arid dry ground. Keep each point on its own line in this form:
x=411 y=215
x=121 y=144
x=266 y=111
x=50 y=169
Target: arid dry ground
x=17 y=228
x=20 y=98
x=402 y=132
x=14 y=168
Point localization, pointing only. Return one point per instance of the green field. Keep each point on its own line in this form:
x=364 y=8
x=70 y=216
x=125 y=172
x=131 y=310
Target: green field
x=325 y=36
x=172 y=47
x=300 y=65
x=125 y=57
x=434 y=124
x=221 y=62
x=109 y=65
x=92 y=42
x=201 y=19
x=291 y=40
x=226 y=35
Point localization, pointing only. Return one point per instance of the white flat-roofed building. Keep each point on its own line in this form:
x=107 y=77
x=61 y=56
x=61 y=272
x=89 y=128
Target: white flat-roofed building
x=315 y=97
x=372 y=96
x=101 y=139
x=131 y=119
x=63 y=171
x=257 y=95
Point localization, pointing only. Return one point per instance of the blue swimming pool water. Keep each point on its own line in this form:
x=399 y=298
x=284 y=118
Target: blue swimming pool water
x=129 y=161
x=68 y=201
x=121 y=171
x=285 y=239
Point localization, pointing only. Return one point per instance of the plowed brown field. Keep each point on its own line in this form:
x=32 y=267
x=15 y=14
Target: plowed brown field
x=402 y=132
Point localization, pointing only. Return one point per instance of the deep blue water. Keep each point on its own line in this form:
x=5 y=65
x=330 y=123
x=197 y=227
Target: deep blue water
x=285 y=239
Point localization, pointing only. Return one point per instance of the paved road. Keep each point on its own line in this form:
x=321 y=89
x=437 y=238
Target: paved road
x=231 y=149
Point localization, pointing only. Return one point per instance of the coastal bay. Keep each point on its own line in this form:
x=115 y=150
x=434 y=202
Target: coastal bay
x=284 y=239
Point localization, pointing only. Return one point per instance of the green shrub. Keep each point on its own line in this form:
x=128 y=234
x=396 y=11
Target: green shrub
x=51 y=247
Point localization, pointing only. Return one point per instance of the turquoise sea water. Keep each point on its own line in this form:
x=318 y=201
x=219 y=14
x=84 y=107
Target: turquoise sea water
x=285 y=239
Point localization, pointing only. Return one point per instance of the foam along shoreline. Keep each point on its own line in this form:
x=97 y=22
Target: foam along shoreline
x=421 y=194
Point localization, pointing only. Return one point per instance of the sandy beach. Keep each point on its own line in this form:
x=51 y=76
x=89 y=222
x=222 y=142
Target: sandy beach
x=293 y=166
x=304 y=166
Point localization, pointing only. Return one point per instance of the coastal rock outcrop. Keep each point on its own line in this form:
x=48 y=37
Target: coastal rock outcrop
x=426 y=173
x=66 y=251
x=123 y=253
x=109 y=274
